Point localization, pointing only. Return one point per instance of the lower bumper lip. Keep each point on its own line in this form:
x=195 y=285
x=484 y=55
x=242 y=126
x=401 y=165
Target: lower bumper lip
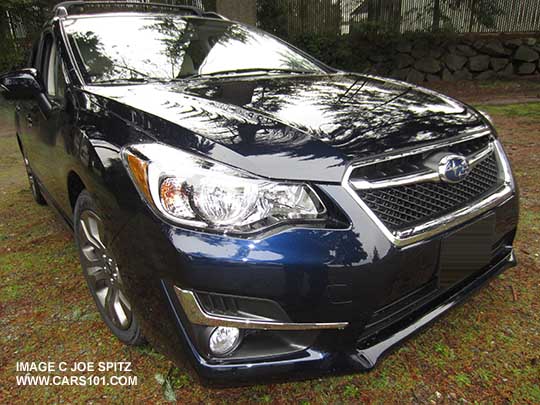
x=372 y=354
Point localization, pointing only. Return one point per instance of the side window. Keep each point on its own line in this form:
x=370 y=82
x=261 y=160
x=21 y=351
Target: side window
x=52 y=70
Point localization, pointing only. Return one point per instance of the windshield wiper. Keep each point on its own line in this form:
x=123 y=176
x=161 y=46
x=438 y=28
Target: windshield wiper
x=137 y=77
x=251 y=70
x=120 y=80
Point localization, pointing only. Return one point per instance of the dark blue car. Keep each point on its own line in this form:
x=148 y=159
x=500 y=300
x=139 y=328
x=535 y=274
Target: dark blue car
x=238 y=203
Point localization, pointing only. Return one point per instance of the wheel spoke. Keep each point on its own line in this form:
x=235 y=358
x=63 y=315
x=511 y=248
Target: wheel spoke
x=110 y=299
x=90 y=236
x=92 y=256
x=124 y=301
x=115 y=308
x=123 y=313
x=98 y=275
x=91 y=228
x=102 y=294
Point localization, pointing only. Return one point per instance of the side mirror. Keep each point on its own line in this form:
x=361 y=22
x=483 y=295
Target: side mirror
x=20 y=84
x=24 y=84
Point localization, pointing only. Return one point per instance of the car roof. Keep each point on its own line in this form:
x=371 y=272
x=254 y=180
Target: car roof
x=79 y=8
x=136 y=14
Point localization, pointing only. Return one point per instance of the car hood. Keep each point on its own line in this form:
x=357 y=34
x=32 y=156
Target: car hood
x=306 y=127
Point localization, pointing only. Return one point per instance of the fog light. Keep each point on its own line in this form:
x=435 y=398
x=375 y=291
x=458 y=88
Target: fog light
x=223 y=340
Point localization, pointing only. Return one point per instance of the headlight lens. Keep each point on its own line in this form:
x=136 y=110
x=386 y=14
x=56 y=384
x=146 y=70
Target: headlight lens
x=190 y=190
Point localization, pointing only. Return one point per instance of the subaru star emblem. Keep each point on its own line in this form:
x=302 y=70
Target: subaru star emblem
x=453 y=168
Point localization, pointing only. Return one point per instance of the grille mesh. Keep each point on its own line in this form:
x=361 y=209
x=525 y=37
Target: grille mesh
x=405 y=206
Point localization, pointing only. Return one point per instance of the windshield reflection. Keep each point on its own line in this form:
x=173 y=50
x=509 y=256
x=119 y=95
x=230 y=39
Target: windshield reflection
x=140 y=47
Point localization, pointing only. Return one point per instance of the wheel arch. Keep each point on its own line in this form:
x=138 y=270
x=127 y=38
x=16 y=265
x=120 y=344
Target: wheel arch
x=75 y=186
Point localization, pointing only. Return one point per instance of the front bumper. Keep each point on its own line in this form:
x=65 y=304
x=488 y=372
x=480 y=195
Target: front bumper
x=363 y=356
x=356 y=276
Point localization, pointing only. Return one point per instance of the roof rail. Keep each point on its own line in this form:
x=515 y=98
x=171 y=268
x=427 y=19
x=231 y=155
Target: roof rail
x=213 y=14
x=66 y=7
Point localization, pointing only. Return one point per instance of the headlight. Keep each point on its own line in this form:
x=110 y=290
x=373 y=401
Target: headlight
x=193 y=191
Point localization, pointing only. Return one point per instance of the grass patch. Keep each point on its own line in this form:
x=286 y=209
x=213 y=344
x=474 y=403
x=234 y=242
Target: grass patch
x=6 y=112
x=11 y=292
x=530 y=220
x=527 y=110
x=462 y=380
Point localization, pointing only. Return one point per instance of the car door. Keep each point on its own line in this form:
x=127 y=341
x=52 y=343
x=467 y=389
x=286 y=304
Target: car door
x=28 y=112
x=50 y=154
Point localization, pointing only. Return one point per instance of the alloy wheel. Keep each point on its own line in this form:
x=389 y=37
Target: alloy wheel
x=102 y=271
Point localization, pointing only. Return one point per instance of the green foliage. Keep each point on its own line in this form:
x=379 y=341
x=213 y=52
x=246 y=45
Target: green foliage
x=20 y=24
x=337 y=51
x=350 y=391
x=462 y=379
x=434 y=16
x=482 y=11
x=530 y=110
x=273 y=17
x=289 y=19
x=11 y=56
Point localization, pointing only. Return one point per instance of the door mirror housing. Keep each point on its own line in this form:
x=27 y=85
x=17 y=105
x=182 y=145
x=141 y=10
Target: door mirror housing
x=21 y=84
x=24 y=84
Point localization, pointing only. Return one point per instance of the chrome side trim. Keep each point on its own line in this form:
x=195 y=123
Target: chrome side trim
x=423 y=177
x=439 y=225
x=198 y=316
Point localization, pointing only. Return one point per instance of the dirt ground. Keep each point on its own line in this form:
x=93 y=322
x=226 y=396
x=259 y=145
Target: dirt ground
x=485 y=351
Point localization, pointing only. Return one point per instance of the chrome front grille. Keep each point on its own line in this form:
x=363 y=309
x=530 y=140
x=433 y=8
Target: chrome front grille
x=404 y=195
x=414 y=163
x=409 y=205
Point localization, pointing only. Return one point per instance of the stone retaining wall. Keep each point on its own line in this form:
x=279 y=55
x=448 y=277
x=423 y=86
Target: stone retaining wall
x=457 y=59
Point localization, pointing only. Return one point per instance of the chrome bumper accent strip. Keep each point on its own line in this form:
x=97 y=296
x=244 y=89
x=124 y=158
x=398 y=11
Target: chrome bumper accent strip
x=198 y=316
x=439 y=225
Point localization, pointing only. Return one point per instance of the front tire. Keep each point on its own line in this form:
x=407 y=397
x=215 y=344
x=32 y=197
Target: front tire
x=102 y=273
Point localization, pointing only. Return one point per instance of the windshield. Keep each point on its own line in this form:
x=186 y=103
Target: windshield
x=142 y=47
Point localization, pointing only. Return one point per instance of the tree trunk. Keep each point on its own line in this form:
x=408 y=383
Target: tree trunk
x=4 y=25
x=473 y=6
x=436 y=16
